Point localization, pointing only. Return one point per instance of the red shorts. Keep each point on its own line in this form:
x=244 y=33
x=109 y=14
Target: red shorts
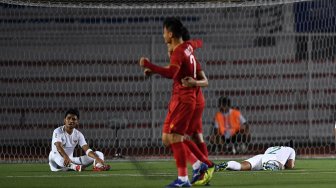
x=178 y=117
x=195 y=125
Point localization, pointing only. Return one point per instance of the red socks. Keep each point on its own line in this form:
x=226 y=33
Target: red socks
x=180 y=155
x=202 y=146
x=190 y=156
x=194 y=149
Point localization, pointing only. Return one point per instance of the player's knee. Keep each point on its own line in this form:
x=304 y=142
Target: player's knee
x=165 y=141
x=198 y=138
x=168 y=139
x=174 y=138
x=246 y=166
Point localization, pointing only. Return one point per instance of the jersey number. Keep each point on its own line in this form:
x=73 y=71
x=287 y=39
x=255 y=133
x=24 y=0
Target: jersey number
x=193 y=61
x=274 y=149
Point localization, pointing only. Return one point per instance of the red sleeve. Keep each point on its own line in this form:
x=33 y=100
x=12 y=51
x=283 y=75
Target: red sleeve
x=196 y=43
x=169 y=72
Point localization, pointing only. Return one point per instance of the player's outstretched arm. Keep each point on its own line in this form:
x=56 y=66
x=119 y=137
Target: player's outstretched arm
x=168 y=72
x=142 y=61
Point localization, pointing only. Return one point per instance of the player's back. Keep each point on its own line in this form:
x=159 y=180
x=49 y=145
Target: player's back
x=183 y=56
x=282 y=153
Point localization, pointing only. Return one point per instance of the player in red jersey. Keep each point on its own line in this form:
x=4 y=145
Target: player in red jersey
x=203 y=168
x=183 y=100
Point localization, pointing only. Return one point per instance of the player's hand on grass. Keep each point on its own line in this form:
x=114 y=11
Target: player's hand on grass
x=188 y=82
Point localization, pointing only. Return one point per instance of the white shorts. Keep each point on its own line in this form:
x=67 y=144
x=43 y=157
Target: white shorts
x=256 y=162
x=56 y=161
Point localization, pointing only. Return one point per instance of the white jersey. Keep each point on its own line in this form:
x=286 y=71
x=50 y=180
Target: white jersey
x=281 y=153
x=69 y=142
x=278 y=153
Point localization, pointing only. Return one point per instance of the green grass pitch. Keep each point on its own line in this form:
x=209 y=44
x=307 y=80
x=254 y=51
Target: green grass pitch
x=147 y=174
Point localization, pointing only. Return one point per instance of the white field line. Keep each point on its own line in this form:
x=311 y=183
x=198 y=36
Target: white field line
x=229 y=173
x=95 y=175
x=285 y=172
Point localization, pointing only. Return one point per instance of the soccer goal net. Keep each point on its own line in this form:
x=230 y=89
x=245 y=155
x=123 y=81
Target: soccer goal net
x=273 y=59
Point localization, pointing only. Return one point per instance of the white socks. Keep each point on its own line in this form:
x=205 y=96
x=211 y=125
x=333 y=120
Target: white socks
x=98 y=165
x=183 y=178
x=233 y=165
x=196 y=165
x=73 y=166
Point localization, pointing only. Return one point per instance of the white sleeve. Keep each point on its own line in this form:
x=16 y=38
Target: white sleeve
x=292 y=154
x=81 y=140
x=57 y=136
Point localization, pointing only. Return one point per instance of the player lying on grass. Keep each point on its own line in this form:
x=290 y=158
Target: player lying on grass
x=64 y=140
x=274 y=158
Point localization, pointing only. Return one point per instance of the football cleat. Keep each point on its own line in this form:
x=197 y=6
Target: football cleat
x=105 y=167
x=207 y=177
x=79 y=168
x=209 y=174
x=199 y=173
x=179 y=183
x=221 y=166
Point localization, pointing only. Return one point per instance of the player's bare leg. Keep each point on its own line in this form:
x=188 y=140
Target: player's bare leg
x=165 y=139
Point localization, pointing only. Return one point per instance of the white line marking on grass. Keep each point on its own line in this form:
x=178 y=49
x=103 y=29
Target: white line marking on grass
x=94 y=175
x=294 y=172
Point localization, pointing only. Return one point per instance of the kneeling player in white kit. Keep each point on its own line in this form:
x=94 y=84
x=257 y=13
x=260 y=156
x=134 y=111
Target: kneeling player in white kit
x=64 y=141
x=274 y=158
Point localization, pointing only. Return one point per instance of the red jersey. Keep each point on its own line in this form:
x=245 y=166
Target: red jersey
x=200 y=101
x=184 y=58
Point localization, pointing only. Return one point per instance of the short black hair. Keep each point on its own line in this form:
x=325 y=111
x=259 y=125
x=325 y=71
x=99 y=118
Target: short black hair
x=224 y=101
x=72 y=111
x=174 y=25
x=185 y=34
